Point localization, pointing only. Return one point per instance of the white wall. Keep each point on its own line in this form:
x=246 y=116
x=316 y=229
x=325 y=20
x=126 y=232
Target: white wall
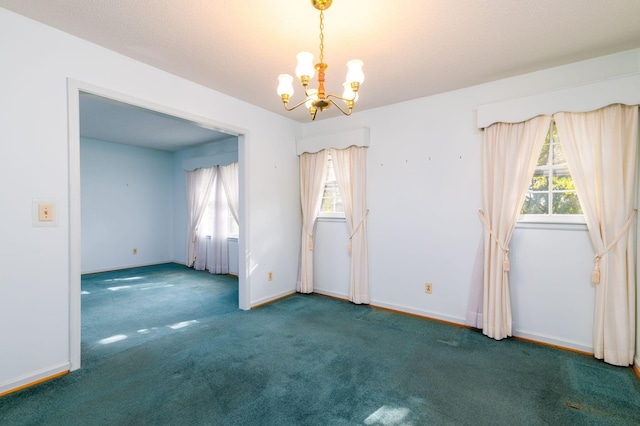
x=127 y=203
x=38 y=62
x=423 y=186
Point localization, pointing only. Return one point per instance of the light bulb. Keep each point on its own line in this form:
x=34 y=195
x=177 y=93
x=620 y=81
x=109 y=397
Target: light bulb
x=285 y=87
x=305 y=65
x=355 y=74
x=348 y=93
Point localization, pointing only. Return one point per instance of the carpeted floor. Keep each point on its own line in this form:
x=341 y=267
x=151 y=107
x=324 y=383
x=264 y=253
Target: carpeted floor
x=166 y=345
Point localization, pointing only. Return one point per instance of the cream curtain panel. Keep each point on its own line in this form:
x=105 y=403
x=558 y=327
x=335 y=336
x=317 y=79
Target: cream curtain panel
x=351 y=174
x=229 y=175
x=199 y=183
x=217 y=255
x=312 y=179
x=508 y=160
x=600 y=147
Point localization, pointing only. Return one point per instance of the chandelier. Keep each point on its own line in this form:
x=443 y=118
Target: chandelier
x=317 y=99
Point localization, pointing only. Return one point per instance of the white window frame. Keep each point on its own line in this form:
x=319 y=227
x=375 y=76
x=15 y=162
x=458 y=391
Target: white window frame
x=550 y=217
x=330 y=215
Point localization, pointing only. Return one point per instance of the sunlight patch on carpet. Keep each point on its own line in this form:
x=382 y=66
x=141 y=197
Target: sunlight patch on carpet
x=183 y=324
x=125 y=279
x=388 y=416
x=112 y=339
x=122 y=287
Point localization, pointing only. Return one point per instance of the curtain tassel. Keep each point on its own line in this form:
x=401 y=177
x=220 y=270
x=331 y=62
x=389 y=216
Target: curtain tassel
x=506 y=265
x=595 y=274
x=355 y=229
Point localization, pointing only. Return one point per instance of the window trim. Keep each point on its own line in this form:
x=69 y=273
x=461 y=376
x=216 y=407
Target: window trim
x=330 y=215
x=551 y=170
x=552 y=218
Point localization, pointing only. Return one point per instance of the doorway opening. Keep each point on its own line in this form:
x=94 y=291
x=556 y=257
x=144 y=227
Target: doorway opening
x=81 y=96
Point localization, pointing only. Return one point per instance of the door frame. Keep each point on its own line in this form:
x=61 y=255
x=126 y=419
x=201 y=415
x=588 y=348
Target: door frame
x=74 y=87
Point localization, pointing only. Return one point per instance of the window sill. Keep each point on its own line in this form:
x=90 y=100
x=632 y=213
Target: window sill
x=229 y=237
x=553 y=226
x=331 y=219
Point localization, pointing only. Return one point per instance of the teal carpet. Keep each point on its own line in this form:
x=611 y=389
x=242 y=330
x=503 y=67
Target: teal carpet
x=166 y=345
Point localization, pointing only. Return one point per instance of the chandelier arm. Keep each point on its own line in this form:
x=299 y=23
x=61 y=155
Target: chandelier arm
x=338 y=106
x=341 y=98
x=293 y=107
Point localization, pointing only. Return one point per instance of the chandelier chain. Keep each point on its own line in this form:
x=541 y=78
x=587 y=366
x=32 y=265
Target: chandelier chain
x=321 y=37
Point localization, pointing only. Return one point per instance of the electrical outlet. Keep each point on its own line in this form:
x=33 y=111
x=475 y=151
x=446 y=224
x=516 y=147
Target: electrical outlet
x=269 y=276
x=428 y=288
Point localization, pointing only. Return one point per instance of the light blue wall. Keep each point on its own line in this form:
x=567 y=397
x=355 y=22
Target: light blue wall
x=127 y=199
x=136 y=198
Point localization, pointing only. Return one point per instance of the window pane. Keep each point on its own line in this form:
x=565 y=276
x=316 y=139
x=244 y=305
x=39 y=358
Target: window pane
x=539 y=181
x=544 y=154
x=566 y=203
x=535 y=203
x=331 y=200
x=562 y=180
x=558 y=155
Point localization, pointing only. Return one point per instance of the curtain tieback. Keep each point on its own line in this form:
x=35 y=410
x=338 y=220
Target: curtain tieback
x=195 y=232
x=595 y=274
x=506 y=265
x=310 y=241
x=357 y=227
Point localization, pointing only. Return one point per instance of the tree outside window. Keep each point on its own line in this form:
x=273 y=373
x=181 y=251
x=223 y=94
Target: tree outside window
x=551 y=190
x=331 y=205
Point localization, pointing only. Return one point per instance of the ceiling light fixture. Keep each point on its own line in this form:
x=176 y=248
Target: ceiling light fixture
x=316 y=99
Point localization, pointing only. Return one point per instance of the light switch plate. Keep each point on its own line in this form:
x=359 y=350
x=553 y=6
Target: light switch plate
x=44 y=212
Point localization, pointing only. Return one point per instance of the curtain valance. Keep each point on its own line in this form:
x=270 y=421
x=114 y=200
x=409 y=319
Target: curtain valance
x=338 y=140
x=588 y=97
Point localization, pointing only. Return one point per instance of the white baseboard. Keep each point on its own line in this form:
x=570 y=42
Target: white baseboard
x=553 y=341
x=271 y=298
x=419 y=312
x=119 y=268
x=32 y=378
x=331 y=293
x=536 y=337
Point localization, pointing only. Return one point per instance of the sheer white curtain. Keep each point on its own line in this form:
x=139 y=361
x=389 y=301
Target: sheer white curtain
x=600 y=147
x=231 y=188
x=313 y=167
x=350 y=166
x=199 y=183
x=217 y=257
x=509 y=155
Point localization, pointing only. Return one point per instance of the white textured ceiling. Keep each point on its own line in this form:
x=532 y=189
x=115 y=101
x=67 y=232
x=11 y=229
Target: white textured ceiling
x=411 y=48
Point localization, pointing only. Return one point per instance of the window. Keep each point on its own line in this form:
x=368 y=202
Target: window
x=207 y=220
x=331 y=205
x=233 y=228
x=551 y=195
